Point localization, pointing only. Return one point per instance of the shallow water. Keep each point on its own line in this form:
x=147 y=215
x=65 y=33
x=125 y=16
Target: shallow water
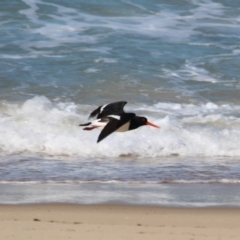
x=174 y=195
x=90 y=51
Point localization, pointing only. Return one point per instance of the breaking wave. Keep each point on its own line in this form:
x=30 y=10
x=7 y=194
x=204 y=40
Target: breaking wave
x=39 y=126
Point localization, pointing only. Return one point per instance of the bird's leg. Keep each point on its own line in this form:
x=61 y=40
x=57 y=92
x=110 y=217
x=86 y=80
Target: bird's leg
x=89 y=128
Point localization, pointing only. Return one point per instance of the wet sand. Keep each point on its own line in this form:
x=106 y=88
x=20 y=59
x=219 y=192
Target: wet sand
x=108 y=222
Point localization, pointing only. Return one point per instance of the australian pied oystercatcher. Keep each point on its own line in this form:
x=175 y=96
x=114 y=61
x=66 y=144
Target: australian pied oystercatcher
x=112 y=118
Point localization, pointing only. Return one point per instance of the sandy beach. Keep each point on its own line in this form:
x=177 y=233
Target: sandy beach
x=64 y=221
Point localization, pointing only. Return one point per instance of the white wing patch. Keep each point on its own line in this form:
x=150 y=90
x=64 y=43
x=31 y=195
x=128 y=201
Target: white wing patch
x=115 y=117
x=102 y=108
x=98 y=123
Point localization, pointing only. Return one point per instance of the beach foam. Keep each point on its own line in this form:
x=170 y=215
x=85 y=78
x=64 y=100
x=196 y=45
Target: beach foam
x=41 y=126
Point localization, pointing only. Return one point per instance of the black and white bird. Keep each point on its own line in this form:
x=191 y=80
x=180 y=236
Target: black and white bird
x=112 y=118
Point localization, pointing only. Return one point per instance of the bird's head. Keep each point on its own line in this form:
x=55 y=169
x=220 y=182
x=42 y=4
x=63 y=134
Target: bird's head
x=143 y=121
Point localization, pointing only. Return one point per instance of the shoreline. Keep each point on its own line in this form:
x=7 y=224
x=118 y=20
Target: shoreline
x=113 y=221
x=118 y=204
x=162 y=195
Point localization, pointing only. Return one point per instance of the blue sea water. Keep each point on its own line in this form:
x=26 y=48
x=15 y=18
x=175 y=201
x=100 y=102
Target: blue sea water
x=175 y=62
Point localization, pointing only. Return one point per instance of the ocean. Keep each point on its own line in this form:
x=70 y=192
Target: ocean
x=174 y=62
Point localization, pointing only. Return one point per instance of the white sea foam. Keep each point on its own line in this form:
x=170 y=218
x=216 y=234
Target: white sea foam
x=105 y=60
x=194 y=73
x=39 y=126
x=91 y=70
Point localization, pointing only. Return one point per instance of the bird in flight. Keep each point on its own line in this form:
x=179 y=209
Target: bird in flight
x=112 y=118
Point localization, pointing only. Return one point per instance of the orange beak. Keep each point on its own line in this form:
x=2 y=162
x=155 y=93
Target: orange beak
x=153 y=125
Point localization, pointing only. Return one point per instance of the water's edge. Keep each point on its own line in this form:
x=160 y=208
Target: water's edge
x=169 y=195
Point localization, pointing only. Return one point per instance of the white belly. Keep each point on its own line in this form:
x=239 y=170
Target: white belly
x=124 y=127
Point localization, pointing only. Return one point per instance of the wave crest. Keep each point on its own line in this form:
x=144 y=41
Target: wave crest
x=40 y=126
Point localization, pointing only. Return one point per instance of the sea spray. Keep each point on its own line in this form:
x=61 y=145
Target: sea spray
x=40 y=126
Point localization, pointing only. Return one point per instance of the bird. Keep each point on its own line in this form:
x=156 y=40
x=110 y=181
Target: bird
x=112 y=118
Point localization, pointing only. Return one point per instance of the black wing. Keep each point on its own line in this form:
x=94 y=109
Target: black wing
x=108 y=109
x=95 y=112
x=114 y=124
